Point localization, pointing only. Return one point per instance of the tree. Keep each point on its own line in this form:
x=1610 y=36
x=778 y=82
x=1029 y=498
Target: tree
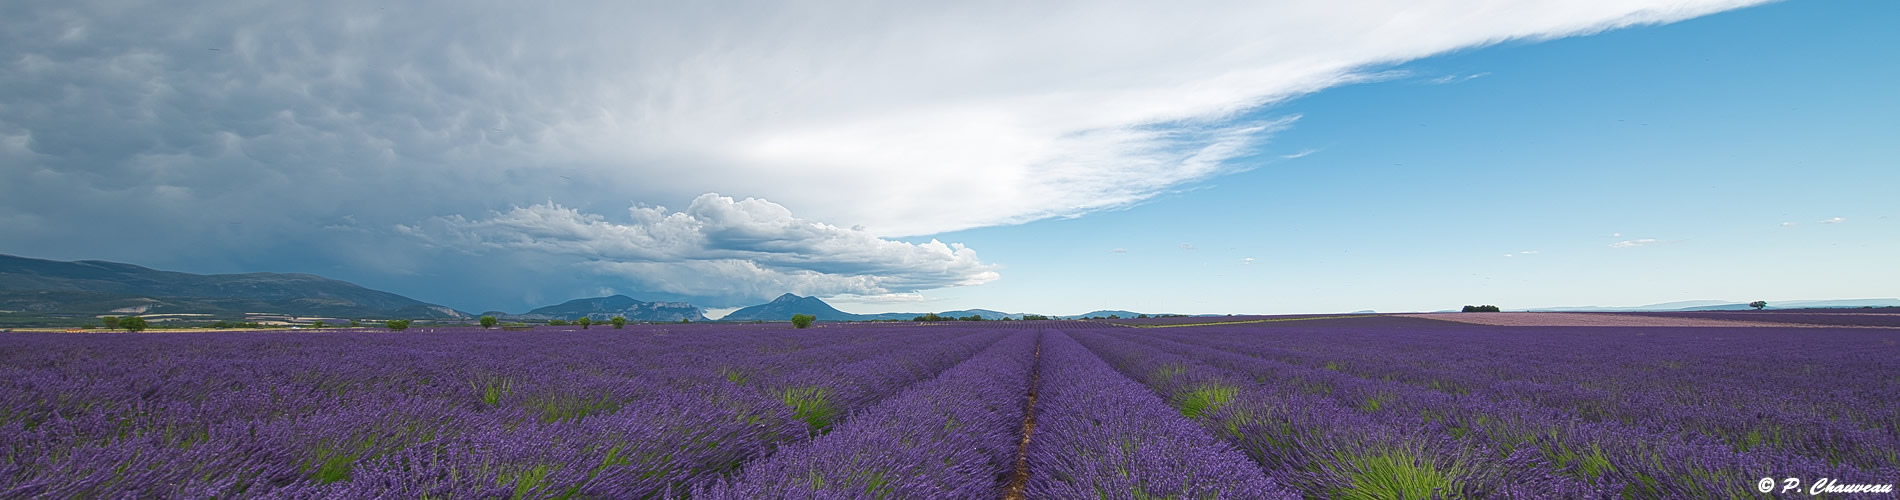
x=686 y=320
x=489 y=321
x=803 y=320
x=585 y=322
x=132 y=324
x=112 y=322
x=316 y=324
x=1758 y=305
x=355 y=323
x=618 y=321
x=397 y=325
x=1481 y=309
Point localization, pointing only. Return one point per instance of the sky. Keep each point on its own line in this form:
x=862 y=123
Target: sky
x=1058 y=158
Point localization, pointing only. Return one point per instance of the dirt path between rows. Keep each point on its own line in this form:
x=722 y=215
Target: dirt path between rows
x=1018 y=482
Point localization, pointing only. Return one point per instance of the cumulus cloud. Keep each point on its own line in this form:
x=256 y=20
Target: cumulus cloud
x=393 y=112
x=1836 y=220
x=719 y=248
x=1634 y=243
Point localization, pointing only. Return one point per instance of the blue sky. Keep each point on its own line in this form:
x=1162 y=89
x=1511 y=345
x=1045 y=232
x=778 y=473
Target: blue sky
x=1705 y=135
x=1229 y=157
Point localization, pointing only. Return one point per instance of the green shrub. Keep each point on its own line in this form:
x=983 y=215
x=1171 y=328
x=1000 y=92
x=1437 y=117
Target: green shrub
x=397 y=325
x=132 y=324
x=585 y=322
x=618 y=321
x=489 y=321
x=803 y=320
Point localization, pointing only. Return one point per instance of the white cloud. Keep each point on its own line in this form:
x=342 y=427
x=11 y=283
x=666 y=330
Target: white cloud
x=719 y=247
x=1616 y=235
x=1528 y=252
x=1302 y=154
x=1788 y=224
x=1836 y=220
x=1009 y=112
x=1449 y=79
x=1509 y=255
x=1634 y=243
x=902 y=118
x=1185 y=246
x=1248 y=260
x=1119 y=250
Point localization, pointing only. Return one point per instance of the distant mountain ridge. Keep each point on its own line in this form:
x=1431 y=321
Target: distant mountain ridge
x=601 y=309
x=783 y=307
x=100 y=287
x=1724 y=305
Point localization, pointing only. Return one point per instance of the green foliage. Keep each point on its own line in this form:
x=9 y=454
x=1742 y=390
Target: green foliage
x=618 y=321
x=1481 y=309
x=355 y=323
x=1396 y=475
x=973 y=317
x=316 y=324
x=491 y=389
x=111 y=321
x=811 y=404
x=1758 y=305
x=932 y=317
x=585 y=322
x=489 y=321
x=803 y=320
x=132 y=324
x=557 y=322
x=686 y=320
x=397 y=325
x=1203 y=400
x=1035 y=317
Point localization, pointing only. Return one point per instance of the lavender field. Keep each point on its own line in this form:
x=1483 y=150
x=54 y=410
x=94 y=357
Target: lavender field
x=1348 y=407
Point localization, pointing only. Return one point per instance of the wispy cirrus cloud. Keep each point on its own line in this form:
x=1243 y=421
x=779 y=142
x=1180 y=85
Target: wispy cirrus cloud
x=1634 y=243
x=1835 y=220
x=1450 y=79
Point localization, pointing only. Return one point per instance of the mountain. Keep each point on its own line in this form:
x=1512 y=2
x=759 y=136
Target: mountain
x=783 y=307
x=1103 y=314
x=100 y=287
x=601 y=309
x=984 y=313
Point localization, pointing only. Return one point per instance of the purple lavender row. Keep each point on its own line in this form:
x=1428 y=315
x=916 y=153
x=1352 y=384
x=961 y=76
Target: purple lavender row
x=1100 y=435
x=1315 y=445
x=1749 y=400
x=224 y=415
x=954 y=436
x=1507 y=441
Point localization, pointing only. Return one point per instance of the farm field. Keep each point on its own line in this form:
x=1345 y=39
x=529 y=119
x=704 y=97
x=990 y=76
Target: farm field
x=1316 y=407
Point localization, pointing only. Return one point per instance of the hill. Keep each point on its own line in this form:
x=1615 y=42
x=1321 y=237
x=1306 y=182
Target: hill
x=783 y=307
x=1103 y=314
x=100 y=287
x=601 y=309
